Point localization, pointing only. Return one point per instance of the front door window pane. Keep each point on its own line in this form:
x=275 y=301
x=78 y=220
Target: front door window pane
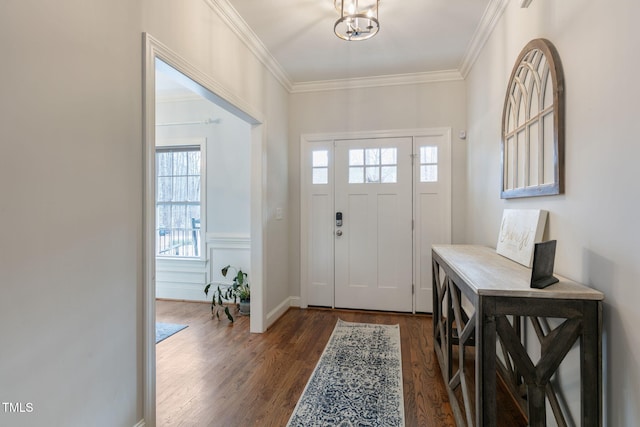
x=381 y=165
x=356 y=157
x=373 y=156
x=356 y=175
x=388 y=174
x=373 y=174
x=389 y=156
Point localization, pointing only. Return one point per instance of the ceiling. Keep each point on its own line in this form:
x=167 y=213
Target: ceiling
x=416 y=36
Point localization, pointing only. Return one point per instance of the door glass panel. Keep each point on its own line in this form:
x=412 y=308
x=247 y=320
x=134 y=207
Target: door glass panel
x=356 y=175
x=381 y=165
x=320 y=158
x=428 y=173
x=429 y=163
x=388 y=174
x=389 y=156
x=320 y=176
x=428 y=154
x=373 y=174
x=373 y=156
x=356 y=157
x=320 y=167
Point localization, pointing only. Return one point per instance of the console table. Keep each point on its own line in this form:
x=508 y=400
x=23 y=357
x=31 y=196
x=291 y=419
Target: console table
x=502 y=301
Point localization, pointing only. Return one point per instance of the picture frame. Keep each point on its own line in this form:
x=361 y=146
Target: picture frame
x=520 y=230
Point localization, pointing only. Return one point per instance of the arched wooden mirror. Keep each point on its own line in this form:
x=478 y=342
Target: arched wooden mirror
x=533 y=124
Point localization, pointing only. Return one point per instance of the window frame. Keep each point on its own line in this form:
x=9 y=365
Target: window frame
x=185 y=143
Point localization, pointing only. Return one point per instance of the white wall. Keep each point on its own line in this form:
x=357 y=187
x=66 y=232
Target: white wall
x=278 y=263
x=71 y=187
x=228 y=159
x=428 y=105
x=595 y=221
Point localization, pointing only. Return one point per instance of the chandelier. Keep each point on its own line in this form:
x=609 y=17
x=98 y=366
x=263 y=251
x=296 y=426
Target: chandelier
x=358 y=19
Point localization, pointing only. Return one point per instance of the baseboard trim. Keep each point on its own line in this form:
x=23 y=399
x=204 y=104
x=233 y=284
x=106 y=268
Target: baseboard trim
x=182 y=300
x=282 y=308
x=294 y=301
x=182 y=291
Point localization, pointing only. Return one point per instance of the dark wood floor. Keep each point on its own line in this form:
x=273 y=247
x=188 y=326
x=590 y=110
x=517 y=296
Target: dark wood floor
x=213 y=374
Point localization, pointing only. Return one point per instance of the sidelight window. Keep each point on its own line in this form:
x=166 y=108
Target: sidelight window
x=320 y=167
x=429 y=163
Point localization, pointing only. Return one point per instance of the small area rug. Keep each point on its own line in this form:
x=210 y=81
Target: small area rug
x=357 y=381
x=165 y=330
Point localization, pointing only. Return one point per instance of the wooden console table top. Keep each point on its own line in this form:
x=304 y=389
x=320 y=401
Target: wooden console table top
x=488 y=273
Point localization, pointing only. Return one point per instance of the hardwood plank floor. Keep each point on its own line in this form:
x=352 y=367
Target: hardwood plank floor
x=213 y=374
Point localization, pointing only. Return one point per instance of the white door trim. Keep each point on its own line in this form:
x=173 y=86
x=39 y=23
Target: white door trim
x=307 y=141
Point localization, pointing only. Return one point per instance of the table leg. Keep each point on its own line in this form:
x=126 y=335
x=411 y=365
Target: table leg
x=486 y=412
x=591 y=364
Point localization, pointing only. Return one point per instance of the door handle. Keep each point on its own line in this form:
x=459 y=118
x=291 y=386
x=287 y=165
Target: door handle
x=338 y=233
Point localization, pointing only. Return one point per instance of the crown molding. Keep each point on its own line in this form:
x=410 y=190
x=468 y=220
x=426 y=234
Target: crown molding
x=238 y=25
x=488 y=22
x=377 y=81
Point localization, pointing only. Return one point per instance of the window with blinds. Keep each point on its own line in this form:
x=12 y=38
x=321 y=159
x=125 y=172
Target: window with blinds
x=178 y=207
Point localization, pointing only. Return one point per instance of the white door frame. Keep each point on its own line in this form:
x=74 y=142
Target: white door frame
x=212 y=90
x=307 y=142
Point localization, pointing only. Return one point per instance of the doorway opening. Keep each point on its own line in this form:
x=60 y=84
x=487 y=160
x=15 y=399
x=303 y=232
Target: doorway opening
x=189 y=209
x=202 y=189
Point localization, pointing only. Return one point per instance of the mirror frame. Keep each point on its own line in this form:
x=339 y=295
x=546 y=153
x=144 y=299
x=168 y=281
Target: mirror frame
x=524 y=73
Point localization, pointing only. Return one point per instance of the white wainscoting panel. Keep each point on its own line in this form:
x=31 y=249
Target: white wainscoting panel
x=228 y=249
x=185 y=279
x=181 y=279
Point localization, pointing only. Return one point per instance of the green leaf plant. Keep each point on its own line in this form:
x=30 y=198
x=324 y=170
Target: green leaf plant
x=238 y=291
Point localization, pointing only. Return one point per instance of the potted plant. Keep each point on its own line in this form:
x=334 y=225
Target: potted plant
x=239 y=292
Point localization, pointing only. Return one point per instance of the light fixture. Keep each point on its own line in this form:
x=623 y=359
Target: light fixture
x=358 y=19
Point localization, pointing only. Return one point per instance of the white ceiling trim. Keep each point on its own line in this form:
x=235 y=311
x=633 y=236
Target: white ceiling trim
x=231 y=17
x=492 y=14
x=364 y=82
x=490 y=18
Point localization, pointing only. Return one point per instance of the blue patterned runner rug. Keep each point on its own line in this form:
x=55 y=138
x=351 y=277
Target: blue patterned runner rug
x=357 y=381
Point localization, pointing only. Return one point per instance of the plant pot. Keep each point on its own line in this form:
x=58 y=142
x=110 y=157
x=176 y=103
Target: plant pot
x=245 y=307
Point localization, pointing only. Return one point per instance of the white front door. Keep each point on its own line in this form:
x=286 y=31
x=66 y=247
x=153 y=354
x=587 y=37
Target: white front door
x=373 y=245
x=393 y=209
